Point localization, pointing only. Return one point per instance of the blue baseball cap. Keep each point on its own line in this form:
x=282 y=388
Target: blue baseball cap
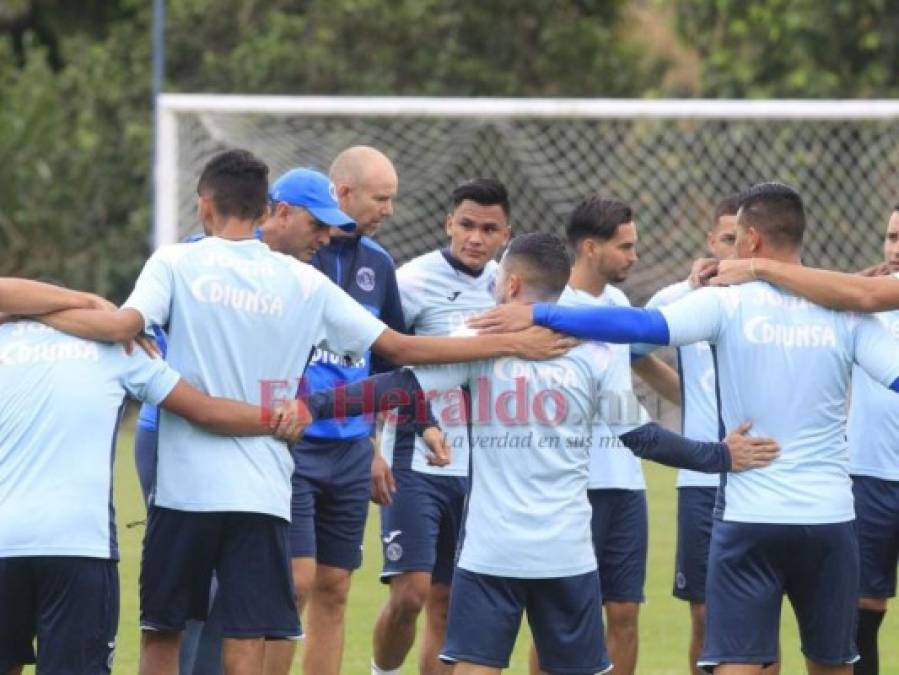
x=313 y=191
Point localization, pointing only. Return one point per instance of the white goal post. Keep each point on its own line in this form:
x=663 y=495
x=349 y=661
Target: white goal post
x=671 y=159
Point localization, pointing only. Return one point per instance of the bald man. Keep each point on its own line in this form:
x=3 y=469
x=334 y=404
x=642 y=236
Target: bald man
x=331 y=478
x=366 y=184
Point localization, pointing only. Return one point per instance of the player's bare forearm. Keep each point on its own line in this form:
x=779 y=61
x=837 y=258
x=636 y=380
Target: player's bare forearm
x=25 y=298
x=534 y=343
x=660 y=376
x=833 y=289
x=228 y=417
x=97 y=324
x=848 y=292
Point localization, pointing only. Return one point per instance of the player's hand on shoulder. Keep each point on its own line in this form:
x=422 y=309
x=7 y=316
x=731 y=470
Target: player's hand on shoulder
x=289 y=421
x=439 y=451
x=508 y=318
x=703 y=270
x=732 y=272
x=747 y=452
x=383 y=485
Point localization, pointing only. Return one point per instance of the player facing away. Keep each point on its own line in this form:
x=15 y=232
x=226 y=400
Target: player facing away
x=784 y=363
x=297 y=223
x=527 y=543
x=420 y=524
x=60 y=405
x=241 y=315
x=331 y=481
x=603 y=235
x=700 y=420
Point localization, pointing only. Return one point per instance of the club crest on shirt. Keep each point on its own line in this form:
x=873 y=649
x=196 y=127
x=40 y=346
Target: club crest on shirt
x=365 y=279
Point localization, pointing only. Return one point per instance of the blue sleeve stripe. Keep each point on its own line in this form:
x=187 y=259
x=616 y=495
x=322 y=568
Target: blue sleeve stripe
x=895 y=385
x=605 y=324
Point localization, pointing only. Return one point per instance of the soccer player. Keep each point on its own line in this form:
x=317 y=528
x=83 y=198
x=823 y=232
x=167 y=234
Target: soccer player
x=297 y=223
x=241 y=315
x=420 y=527
x=331 y=481
x=58 y=547
x=604 y=237
x=527 y=539
x=699 y=419
x=785 y=364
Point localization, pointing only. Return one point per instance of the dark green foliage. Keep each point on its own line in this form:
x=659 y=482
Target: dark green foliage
x=794 y=48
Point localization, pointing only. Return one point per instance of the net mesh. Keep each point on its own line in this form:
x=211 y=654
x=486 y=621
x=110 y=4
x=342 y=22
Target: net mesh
x=671 y=171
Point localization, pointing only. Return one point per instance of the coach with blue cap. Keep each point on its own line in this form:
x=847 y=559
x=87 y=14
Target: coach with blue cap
x=302 y=210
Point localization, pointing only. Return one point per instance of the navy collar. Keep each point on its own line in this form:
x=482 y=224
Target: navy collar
x=460 y=266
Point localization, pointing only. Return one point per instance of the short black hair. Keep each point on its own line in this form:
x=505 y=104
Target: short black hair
x=597 y=218
x=726 y=207
x=237 y=182
x=776 y=210
x=545 y=261
x=484 y=191
x=896 y=207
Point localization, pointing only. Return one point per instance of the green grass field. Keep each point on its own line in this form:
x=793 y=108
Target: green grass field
x=664 y=625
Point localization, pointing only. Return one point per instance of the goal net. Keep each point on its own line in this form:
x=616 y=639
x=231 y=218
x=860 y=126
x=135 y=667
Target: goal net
x=670 y=159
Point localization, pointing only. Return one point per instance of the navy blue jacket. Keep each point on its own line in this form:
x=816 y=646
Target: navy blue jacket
x=362 y=268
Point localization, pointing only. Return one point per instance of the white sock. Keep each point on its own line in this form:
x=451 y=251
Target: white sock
x=380 y=671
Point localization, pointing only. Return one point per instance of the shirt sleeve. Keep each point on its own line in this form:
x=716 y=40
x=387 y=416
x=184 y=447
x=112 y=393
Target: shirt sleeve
x=347 y=327
x=146 y=379
x=653 y=442
x=604 y=324
x=695 y=318
x=152 y=294
x=376 y=394
x=876 y=350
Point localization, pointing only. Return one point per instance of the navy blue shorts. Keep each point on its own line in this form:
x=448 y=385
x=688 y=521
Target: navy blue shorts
x=420 y=529
x=694 y=532
x=752 y=565
x=331 y=489
x=250 y=556
x=620 y=540
x=69 y=604
x=564 y=614
x=145 y=455
x=877 y=517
